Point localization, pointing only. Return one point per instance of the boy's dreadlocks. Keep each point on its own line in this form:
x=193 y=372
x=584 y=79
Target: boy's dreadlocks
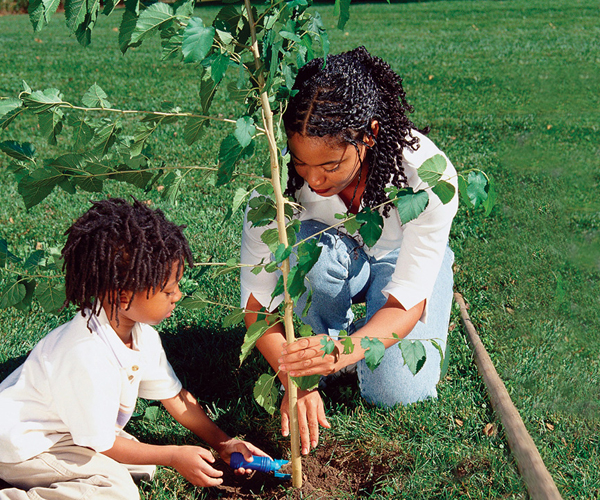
x=340 y=100
x=116 y=246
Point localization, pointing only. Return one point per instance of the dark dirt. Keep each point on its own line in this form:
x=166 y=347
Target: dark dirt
x=329 y=472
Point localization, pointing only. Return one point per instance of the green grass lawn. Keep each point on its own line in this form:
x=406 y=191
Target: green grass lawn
x=509 y=87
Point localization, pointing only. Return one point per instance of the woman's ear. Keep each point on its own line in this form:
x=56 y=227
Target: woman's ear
x=375 y=128
x=370 y=139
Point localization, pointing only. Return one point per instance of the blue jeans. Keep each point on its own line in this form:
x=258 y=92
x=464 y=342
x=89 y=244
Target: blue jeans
x=345 y=274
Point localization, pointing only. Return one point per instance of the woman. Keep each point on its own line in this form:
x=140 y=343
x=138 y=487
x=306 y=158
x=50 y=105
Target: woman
x=349 y=138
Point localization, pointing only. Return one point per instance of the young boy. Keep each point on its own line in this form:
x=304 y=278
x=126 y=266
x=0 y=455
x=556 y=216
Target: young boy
x=63 y=410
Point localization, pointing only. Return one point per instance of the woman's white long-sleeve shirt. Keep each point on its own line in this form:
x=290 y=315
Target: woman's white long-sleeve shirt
x=422 y=241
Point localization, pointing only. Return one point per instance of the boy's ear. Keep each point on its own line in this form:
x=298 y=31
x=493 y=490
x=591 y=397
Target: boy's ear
x=125 y=298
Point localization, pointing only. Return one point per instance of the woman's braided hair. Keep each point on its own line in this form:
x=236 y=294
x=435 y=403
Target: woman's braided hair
x=340 y=100
x=116 y=246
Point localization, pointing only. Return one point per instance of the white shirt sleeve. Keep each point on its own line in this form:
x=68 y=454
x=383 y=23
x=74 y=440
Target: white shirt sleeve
x=253 y=252
x=159 y=380
x=425 y=238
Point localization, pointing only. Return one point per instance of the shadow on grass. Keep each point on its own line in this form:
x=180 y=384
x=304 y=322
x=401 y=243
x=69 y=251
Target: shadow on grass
x=11 y=365
x=206 y=359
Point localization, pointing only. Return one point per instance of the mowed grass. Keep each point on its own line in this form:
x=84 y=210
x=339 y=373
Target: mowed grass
x=511 y=88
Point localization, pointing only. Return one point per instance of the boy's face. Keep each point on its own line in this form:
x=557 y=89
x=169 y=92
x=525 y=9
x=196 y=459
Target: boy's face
x=152 y=309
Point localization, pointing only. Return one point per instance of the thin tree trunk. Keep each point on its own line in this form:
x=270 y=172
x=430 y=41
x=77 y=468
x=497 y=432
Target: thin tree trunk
x=292 y=390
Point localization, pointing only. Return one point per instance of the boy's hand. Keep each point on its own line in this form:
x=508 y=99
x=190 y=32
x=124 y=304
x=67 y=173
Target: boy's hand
x=193 y=463
x=246 y=449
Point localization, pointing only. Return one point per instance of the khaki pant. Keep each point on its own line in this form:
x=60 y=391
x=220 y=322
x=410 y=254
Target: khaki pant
x=68 y=472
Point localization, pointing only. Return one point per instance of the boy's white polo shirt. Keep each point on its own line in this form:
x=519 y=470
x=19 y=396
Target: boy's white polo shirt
x=74 y=382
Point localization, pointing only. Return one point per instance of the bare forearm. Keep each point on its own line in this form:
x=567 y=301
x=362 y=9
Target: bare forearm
x=391 y=323
x=128 y=451
x=271 y=342
x=188 y=412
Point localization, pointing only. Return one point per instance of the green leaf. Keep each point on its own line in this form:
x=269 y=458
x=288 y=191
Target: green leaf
x=197 y=40
x=20 y=151
x=9 y=105
x=245 y=130
x=462 y=189
x=208 y=87
x=372 y=225
x=282 y=253
x=51 y=124
x=81 y=16
x=184 y=9
x=109 y=7
x=432 y=169
x=219 y=66
x=40 y=12
x=266 y=392
x=94 y=181
x=6 y=254
x=307 y=383
x=13 y=293
x=39 y=184
x=352 y=225
x=40 y=101
x=126 y=30
x=7 y=118
x=194 y=129
x=308 y=254
x=95 y=97
x=256 y=330
x=305 y=331
x=152 y=413
x=234 y=317
x=25 y=304
x=410 y=204
x=150 y=20
x=374 y=351
x=82 y=133
x=444 y=362
x=139 y=138
x=34 y=259
x=413 y=353
x=445 y=191
x=328 y=346
x=105 y=136
x=196 y=301
x=262 y=211
x=348 y=345
x=490 y=201
x=342 y=11
x=238 y=198
x=476 y=188
x=295 y=283
x=279 y=288
x=171 y=42
x=50 y=297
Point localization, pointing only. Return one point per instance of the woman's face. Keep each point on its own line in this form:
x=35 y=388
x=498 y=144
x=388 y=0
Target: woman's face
x=327 y=166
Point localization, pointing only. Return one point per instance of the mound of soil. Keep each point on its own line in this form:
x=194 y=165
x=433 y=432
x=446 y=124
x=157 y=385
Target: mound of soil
x=329 y=472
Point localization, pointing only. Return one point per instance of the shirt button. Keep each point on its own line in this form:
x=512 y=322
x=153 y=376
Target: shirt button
x=130 y=377
x=135 y=368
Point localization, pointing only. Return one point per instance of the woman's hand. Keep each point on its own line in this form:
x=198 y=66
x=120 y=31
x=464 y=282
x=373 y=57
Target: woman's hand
x=311 y=414
x=306 y=357
x=246 y=449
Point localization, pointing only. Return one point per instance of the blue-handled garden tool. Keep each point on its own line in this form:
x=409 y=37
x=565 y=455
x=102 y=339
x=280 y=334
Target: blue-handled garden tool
x=262 y=464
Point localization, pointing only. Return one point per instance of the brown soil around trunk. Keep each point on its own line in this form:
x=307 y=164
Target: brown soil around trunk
x=330 y=472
